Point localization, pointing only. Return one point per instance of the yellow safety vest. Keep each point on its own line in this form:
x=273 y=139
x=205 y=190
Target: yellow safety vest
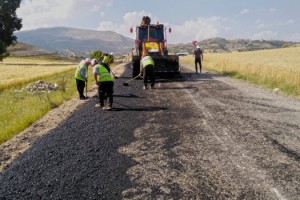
x=147 y=60
x=82 y=65
x=103 y=74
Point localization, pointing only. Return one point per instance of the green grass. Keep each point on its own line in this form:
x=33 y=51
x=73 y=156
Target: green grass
x=19 y=109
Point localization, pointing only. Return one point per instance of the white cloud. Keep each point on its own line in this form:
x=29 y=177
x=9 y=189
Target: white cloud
x=260 y=24
x=130 y=19
x=199 y=29
x=286 y=23
x=266 y=35
x=37 y=13
x=41 y=13
x=290 y=21
x=245 y=11
x=272 y=10
x=294 y=37
x=134 y=18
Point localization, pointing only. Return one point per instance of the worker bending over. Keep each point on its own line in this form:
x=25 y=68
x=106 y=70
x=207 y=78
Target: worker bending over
x=147 y=70
x=104 y=80
x=81 y=77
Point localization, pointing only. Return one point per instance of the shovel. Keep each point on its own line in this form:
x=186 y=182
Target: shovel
x=126 y=83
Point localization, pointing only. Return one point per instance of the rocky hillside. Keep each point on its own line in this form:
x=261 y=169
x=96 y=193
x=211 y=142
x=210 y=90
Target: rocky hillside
x=223 y=45
x=25 y=50
x=21 y=49
x=72 y=42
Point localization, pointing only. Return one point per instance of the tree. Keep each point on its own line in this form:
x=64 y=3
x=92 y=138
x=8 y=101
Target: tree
x=9 y=22
x=98 y=55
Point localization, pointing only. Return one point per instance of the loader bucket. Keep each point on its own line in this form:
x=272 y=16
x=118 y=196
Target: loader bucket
x=168 y=65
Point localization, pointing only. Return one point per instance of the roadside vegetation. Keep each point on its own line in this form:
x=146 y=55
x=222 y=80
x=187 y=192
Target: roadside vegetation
x=275 y=69
x=19 y=71
x=19 y=108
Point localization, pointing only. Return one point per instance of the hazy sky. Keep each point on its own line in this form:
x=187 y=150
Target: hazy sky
x=189 y=19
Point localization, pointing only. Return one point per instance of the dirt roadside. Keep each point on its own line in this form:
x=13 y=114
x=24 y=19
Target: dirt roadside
x=11 y=149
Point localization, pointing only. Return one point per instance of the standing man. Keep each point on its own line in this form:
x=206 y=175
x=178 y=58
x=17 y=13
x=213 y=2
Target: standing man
x=104 y=80
x=198 y=54
x=147 y=69
x=81 y=76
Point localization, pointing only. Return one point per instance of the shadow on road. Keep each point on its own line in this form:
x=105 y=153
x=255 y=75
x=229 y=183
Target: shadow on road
x=137 y=108
x=127 y=96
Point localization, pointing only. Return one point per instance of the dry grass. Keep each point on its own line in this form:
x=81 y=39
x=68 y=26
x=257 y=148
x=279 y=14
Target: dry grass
x=18 y=71
x=33 y=60
x=277 y=68
x=19 y=108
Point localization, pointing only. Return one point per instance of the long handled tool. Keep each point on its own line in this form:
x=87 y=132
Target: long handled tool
x=116 y=77
x=126 y=83
x=86 y=82
x=86 y=85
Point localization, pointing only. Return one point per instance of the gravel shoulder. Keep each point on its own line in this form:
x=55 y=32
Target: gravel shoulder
x=193 y=137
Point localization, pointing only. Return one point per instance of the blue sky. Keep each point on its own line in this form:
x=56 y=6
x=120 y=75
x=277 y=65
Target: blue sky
x=190 y=19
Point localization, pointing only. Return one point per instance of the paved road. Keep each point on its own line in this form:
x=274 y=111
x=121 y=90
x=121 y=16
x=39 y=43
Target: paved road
x=193 y=137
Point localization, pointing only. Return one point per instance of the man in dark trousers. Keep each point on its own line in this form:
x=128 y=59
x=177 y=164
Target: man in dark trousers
x=198 y=54
x=147 y=70
x=81 y=77
x=104 y=80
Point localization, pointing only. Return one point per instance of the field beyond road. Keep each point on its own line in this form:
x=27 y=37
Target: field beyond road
x=19 y=107
x=16 y=71
x=276 y=69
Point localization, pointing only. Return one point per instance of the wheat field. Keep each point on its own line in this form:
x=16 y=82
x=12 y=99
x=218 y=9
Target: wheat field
x=19 y=108
x=18 y=71
x=277 y=68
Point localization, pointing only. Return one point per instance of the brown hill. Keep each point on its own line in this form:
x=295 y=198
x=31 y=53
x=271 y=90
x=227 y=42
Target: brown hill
x=223 y=45
x=22 y=49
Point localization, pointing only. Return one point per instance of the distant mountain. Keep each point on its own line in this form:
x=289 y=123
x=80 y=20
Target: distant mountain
x=223 y=45
x=22 y=49
x=26 y=50
x=74 y=42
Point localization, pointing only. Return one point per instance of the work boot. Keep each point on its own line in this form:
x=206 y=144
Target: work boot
x=83 y=98
x=97 y=105
x=107 y=108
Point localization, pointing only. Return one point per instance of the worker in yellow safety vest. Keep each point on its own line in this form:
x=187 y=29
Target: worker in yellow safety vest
x=147 y=70
x=81 y=76
x=104 y=80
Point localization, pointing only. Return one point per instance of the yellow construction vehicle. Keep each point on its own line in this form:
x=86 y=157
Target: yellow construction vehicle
x=151 y=39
